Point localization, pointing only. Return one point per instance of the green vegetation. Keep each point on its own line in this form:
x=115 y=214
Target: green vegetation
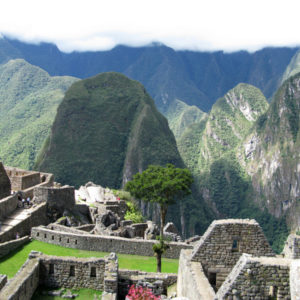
x=181 y=115
x=133 y=213
x=114 y=130
x=160 y=185
x=11 y=263
x=29 y=98
x=83 y=294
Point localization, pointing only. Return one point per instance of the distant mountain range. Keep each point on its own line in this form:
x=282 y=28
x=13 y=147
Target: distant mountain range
x=196 y=78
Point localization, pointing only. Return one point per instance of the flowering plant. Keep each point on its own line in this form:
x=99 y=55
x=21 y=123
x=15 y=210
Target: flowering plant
x=140 y=293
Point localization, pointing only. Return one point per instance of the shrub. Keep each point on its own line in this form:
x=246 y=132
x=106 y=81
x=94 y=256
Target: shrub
x=140 y=293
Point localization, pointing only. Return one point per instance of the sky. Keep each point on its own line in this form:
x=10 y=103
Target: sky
x=210 y=25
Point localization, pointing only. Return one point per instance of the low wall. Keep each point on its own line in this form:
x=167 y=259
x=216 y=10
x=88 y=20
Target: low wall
x=192 y=282
x=37 y=217
x=3 y=281
x=104 y=243
x=24 y=283
x=10 y=246
x=8 y=205
x=159 y=281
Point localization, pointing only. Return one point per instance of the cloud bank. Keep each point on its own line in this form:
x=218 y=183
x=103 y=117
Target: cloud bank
x=195 y=25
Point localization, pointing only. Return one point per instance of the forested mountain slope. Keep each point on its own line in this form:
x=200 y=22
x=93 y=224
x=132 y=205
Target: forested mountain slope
x=29 y=97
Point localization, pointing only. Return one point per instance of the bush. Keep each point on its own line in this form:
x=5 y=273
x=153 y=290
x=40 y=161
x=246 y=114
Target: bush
x=140 y=293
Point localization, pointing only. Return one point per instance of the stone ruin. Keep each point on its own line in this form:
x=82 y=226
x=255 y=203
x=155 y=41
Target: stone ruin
x=5 y=185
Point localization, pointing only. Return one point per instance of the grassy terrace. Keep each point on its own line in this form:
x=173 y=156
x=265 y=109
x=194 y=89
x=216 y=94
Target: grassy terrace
x=11 y=263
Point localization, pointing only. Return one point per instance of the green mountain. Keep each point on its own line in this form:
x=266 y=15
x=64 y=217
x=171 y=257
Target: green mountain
x=181 y=115
x=107 y=129
x=228 y=123
x=194 y=77
x=271 y=154
x=28 y=99
x=293 y=67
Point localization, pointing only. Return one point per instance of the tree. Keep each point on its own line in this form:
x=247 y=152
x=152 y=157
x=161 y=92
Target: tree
x=161 y=185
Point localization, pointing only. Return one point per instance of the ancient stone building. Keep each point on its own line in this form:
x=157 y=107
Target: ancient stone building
x=292 y=247
x=224 y=242
x=5 y=185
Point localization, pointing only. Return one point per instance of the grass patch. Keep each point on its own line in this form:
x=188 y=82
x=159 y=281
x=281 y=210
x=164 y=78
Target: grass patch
x=10 y=264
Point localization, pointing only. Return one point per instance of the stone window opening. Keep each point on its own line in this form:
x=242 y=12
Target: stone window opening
x=235 y=246
x=75 y=242
x=51 y=269
x=37 y=234
x=52 y=237
x=68 y=240
x=273 y=293
x=60 y=239
x=93 y=272
x=72 y=271
x=45 y=235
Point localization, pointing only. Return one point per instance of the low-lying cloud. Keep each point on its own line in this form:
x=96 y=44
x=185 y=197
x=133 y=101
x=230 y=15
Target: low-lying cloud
x=196 y=25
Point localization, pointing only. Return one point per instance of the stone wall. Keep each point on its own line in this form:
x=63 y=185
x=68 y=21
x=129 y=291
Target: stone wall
x=3 y=281
x=104 y=243
x=192 y=282
x=71 y=272
x=294 y=279
x=8 y=205
x=253 y=277
x=21 y=179
x=292 y=247
x=159 y=282
x=24 y=283
x=36 y=217
x=224 y=242
x=5 y=185
x=10 y=246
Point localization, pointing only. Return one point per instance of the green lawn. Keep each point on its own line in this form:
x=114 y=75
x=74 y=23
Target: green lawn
x=11 y=263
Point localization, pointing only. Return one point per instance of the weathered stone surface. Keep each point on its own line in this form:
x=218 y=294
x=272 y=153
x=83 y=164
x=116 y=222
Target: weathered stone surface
x=5 y=185
x=292 y=247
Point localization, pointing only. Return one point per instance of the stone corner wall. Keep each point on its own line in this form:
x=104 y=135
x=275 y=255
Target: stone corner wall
x=252 y=276
x=24 y=283
x=292 y=247
x=5 y=185
x=192 y=282
x=3 y=281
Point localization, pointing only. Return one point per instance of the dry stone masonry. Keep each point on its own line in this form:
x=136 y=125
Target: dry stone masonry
x=5 y=185
x=223 y=243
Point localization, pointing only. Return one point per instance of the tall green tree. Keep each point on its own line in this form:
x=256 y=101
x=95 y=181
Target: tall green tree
x=162 y=185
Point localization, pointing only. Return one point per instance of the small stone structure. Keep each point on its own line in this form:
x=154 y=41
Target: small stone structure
x=5 y=185
x=223 y=243
x=22 y=179
x=292 y=247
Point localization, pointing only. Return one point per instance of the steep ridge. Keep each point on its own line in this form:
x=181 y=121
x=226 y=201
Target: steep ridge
x=28 y=99
x=293 y=67
x=209 y=149
x=197 y=78
x=270 y=154
x=180 y=116
x=107 y=129
x=229 y=121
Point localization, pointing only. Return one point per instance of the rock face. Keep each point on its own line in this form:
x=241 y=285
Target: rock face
x=270 y=154
x=4 y=183
x=107 y=129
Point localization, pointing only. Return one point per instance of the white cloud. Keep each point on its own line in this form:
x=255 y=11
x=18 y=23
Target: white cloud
x=186 y=24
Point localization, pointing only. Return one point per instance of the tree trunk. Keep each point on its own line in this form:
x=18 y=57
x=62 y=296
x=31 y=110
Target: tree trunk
x=163 y=212
x=158 y=262
x=182 y=220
